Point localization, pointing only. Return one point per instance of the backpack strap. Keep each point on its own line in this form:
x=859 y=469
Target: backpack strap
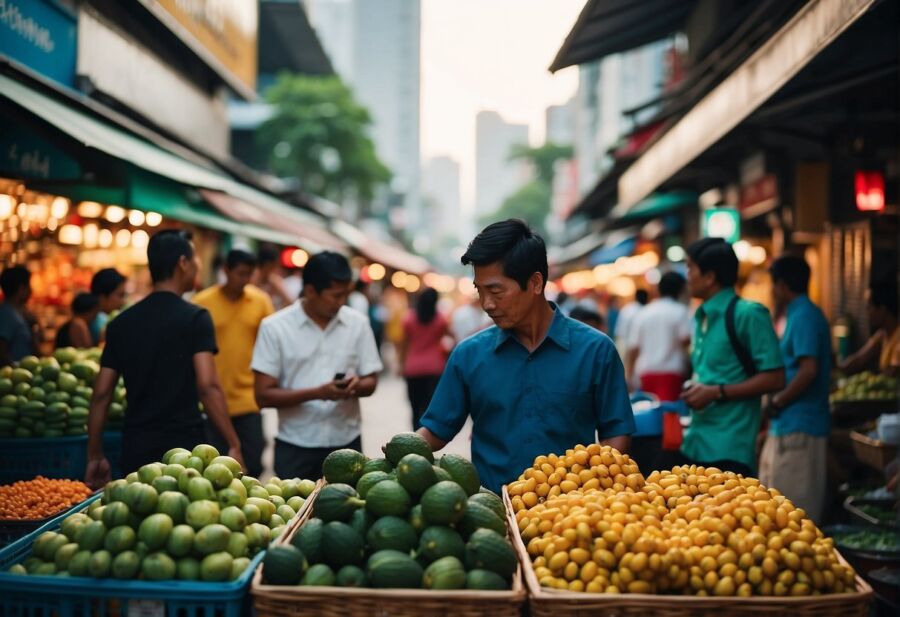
x=740 y=351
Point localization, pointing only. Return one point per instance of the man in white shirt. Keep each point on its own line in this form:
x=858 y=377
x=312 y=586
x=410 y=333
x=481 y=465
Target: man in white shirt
x=658 y=339
x=313 y=360
x=626 y=319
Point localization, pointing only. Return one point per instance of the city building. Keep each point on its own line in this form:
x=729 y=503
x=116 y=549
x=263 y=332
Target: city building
x=441 y=197
x=496 y=177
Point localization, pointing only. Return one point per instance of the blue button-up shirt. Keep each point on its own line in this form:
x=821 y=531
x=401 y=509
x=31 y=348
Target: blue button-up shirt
x=806 y=335
x=524 y=404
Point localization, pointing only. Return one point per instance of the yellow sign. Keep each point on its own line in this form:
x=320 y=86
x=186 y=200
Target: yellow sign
x=226 y=30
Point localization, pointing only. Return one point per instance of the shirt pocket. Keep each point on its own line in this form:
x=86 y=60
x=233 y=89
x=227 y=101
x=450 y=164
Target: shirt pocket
x=566 y=415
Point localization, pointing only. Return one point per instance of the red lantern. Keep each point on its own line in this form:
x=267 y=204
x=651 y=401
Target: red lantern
x=869 y=191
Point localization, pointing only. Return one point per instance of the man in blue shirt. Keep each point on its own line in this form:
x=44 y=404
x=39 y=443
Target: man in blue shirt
x=794 y=453
x=536 y=382
x=16 y=337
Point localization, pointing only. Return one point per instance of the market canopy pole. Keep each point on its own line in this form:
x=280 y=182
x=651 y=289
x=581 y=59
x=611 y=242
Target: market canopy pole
x=790 y=49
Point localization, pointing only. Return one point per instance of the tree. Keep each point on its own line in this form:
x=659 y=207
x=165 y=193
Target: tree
x=318 y=133
x=530 y=203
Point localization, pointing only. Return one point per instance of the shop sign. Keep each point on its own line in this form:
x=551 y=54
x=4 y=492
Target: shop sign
x=722 y=223
x=25 y=155
x=41 y=35
x=759 y=196
x=222 y=32
x=869 y=191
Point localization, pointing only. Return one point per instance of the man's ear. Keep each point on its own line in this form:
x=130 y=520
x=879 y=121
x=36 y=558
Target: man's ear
x=537 y=282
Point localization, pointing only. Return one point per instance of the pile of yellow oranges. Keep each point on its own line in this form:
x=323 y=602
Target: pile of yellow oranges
x=591 y=522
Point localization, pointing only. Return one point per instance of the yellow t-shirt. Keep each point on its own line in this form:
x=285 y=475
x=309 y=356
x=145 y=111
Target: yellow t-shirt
x=237 y=323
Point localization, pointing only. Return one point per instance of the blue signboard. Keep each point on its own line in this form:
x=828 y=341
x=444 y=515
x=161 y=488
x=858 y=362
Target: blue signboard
x=23 y=154
x=41 y=35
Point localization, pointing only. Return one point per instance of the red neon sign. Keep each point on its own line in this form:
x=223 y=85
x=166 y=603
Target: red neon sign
x=869 y=191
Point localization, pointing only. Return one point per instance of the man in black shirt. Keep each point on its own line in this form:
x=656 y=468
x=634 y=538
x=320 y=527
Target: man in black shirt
x=163 y=346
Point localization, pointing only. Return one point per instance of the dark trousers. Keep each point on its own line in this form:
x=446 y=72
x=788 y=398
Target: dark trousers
x=670 y=458
x=420 y=390
x=305 y=463
x=140 y=447
x=249 y=430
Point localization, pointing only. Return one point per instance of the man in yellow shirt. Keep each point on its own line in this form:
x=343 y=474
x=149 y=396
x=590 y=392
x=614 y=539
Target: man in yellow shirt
x=237 y=309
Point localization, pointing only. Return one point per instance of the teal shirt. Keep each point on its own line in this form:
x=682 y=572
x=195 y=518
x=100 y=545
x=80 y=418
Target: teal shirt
x=524 y=404
x=806 y=335
x=727 y=430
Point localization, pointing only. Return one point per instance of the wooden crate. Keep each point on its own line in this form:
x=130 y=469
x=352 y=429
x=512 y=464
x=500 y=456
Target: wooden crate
x=287 y=601
x=543 y=602
x=872 y=452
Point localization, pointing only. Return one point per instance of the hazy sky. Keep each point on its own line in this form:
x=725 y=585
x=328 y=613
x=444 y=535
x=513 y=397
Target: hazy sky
x=489 y=54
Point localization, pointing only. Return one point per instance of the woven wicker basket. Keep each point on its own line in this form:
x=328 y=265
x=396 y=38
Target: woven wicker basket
x=544 y=602
x=281 y=601
x=872 y=452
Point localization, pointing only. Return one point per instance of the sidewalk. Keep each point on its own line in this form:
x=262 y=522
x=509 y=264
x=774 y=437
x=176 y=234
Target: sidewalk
x=384 y=414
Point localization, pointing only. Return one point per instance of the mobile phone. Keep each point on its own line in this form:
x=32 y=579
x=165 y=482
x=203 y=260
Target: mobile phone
x=339 y=377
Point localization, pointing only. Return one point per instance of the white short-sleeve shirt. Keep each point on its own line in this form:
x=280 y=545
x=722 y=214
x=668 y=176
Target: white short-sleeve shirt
x=299 y=354
x=659 y=331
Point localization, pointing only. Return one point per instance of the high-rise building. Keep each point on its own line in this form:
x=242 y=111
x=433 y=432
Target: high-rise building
x=496 y=177
x=440 y=196
x=560 y=123
x=374 y=47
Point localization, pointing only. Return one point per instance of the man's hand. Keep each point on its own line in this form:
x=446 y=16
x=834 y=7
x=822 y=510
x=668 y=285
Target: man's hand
x=334 y=390
x=698 y=396
x=236 y=454
x=351 y=389
x=98 y=473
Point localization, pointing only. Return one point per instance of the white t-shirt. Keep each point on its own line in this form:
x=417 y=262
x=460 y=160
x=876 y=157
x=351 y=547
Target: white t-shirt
x=659 y=331
x=467 y=320
x=293 y=349
x=626 y=318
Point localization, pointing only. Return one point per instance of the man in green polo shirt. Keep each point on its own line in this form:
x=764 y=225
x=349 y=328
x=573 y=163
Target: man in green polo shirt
x=731 y=373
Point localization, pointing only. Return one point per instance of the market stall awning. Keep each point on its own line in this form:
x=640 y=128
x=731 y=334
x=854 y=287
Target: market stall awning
x=394 y=257
x=96 y=133
x=615 y=247
x=656 y=205
x=560 y=256
x=311 y=238
x=792 y=47
x=606 y=27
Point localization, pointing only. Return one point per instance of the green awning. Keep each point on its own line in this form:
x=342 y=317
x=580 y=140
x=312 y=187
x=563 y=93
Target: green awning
x=660 y=203
x=162 y=167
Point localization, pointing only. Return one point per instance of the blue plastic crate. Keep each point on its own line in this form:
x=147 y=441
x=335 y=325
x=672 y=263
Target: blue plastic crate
x=51 y=596
x=58 y=457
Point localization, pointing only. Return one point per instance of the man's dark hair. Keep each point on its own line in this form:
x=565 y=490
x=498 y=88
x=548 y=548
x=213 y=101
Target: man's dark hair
x=84 y=302
x=166 y=247
x=426 y=305
x=671 y=285
x=13 y=279
x=715 y=255
x=586 y=315
x=884 y=293
x=326 y=268
x=237 y=257
x=642 y=296
x=266 y=255
x=793 y=271
x=514 y=245
x=106 y=281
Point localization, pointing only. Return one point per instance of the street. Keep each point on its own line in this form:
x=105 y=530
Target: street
x=384 y=414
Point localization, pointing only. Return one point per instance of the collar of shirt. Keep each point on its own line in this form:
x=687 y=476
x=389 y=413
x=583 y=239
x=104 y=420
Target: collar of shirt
x=716 y=305
x=558 y=333
x=304 y=319
x=797 y=304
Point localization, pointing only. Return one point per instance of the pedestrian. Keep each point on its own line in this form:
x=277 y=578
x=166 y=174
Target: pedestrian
x=468 y=319
x=626 y=318
x=108 y=285
x=237 y=309
x=358 y=299
x=882 y=350
x=422 y=352
x=16 y=336
x=313 y=360
x=736 y=360
x=794 y=454
x=269 y=279
x=76 y=332
x=164 y=349
x=589 y=316
x=535 y=382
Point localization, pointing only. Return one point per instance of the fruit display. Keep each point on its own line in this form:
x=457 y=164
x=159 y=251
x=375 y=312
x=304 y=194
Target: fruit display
x=592 y=523
x=410 y=522
x=50 y=397
x=40 y=498
x=866 y=386
x=192 y=516
x=880 y=540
